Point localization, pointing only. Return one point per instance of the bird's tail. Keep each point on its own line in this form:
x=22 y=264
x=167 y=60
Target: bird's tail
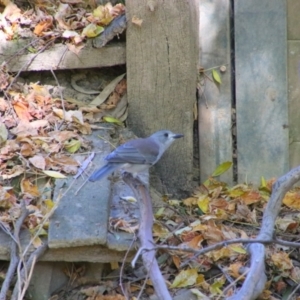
x=102 y=172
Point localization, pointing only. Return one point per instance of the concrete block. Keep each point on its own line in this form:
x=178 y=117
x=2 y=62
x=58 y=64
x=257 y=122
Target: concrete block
x=82 y=215
x=46 y=279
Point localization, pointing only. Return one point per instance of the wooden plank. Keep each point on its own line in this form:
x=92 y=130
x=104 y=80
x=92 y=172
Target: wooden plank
x=293 y=28
x=215 y=139
x=261 y=89
x=58 y=57
x=294 y=96
x=161 y=78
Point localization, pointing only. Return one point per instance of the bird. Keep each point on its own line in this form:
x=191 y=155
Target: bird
x=137 y=155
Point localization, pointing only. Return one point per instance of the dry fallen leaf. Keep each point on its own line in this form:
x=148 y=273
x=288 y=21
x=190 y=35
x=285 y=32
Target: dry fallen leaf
x=282 y=261
x=43 y=26
x=55 y=174
x=92 y=30
x=27 y=187
x=185 y=278
x=27 y=150
x=38 y=161
x=21 y=109
x=3 y=133
x=14 y=172
x=137 y=21
x=103 y=14
x=7 y=198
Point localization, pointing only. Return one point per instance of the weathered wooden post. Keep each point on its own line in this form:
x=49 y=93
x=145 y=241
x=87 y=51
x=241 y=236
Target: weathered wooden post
x=261 y=89
x=162 y=56
x=215 y=137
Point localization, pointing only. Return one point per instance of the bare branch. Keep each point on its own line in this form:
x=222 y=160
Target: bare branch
x=24 y=278
x=256 y=278
x=145 y=235
x=14 y=253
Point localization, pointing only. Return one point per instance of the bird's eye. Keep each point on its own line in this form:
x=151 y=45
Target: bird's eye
x=166 y=134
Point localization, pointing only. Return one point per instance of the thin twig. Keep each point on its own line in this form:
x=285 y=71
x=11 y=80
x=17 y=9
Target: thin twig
x=26 y=283
x=123 y=265
x=14 y=255
x=7 y=231
x=61 y=98
x=21 y=50
x=30 y=61
x=293 y=292
x=105 y=140
x=23 y=277
x=143 y=287
x=212 y=247
x=233 y=283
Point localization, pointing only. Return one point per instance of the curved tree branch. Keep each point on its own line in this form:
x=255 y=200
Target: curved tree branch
x=145 y=235
x=14 y=253
x=256 y=278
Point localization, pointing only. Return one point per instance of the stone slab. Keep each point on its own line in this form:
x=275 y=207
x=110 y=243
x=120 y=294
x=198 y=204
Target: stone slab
x=81 y=217
x=97 y=253
x=46 y=279
x=58 y=56
x=6 y=241
x=261 y=89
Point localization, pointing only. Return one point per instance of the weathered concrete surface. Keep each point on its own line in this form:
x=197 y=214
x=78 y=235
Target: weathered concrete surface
x=261 y=89
x=5 y=243
x=58 y=57
x=46 y=279
x=95 y=254
x=81 y=217
x=49 y=278
x=215 y=139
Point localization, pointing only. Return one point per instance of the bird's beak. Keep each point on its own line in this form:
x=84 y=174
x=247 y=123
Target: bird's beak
x=177 y=136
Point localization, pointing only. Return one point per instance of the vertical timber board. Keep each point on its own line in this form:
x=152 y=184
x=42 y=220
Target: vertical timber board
x=293 y=26
x=162 y=56
x=215 y=138
x=293 y=8
x=261 y=89
x=294 y=103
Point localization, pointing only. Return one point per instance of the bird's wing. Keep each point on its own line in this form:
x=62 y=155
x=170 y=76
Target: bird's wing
x=139 y=151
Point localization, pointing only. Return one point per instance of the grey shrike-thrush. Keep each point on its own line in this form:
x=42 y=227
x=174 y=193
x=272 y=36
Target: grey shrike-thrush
x=137 y=155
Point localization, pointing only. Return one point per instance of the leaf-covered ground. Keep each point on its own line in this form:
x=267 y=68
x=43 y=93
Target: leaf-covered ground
x=214 y=213
x=70 y=21
x=40 y=133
